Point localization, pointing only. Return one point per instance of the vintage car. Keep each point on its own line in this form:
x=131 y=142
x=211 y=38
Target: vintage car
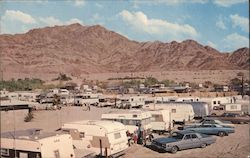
x=234 y=118
x=210 y=129
x=212 y=120
x=182 y=140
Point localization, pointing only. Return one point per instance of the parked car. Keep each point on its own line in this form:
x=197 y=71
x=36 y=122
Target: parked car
x=234 y=118
x=210 y=129
x=183 y=140
x=213 y=120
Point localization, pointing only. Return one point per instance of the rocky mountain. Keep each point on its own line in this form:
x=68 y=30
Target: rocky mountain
x=77 y=49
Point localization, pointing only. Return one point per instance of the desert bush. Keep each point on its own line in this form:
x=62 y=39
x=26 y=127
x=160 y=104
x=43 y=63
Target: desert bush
x=29 y=117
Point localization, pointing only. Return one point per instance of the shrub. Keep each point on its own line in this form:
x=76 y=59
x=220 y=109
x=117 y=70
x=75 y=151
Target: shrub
x=29 y=117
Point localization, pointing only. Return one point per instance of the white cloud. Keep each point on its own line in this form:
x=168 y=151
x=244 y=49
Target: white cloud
x=14 y=21
x=242 y=22
x=14 y=15
x=220 y=24
x=79 y=3
x=141 y=23
x=167 y=2
x=228 y=3
x=50 y=21
x=211 y=44
x=235 y=41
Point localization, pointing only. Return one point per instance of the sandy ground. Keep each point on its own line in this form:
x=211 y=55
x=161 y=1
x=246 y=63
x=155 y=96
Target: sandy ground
x=235 y=145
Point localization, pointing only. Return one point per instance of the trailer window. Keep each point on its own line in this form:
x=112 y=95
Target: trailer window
x=117 y=135
x=214 y=102
x=82 y=134
x=5 y=152
x=233 y=107
x=157 y=118
x=173 y=110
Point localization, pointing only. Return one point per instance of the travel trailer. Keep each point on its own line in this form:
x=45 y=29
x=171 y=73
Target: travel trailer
x=28 y=96
x=106 y=102
x=226 y=108
x=218 y=100
x=33 y=143
x=131 y=101
x=81 y=99
x=105 y=138
x=180 y=112
x=161 y=121
x=67 y=99
x=132 y=120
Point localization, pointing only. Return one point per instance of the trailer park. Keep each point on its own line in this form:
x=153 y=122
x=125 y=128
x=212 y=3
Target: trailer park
x=87 y=122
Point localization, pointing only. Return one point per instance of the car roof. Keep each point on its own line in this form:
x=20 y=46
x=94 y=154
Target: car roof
x=186 y=132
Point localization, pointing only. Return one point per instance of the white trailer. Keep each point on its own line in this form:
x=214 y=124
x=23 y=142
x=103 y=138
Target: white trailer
x=180 y=112
x=105 y=138
x=132 y=101
x=223 y=108
x=161 y=121
x=32 y=143
x=91 y=99
x=132 y=120
x=218 y=101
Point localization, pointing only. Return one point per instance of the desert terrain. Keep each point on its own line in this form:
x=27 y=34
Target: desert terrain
x=235 y=145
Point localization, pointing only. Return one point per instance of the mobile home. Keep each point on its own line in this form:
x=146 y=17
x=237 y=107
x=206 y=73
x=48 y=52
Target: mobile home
x=220 y=109
x=32 y=143
x=132 y=101
x=132 y=120
x=105 y=138
x=161 y=121
x=180 y=112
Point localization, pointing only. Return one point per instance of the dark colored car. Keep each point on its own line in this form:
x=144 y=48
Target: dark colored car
x=234 y=118
x=183 y=140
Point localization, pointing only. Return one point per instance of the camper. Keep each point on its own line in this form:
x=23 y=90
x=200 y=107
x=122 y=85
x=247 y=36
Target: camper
x=180 y=112
x=28 y=96
x=161 y=121
x=36 y=144
x=132 y=101
x=134 y=120
x=226 y=108
x=67 y=99
x=105 y=138
x=81 y=99
x=106 y=102
x=218 y=100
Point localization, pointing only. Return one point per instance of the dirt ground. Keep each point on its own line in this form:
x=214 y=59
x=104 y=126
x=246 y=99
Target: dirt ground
x=235 y=145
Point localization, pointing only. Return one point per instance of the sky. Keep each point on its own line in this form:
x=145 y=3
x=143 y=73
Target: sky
x=221 y=24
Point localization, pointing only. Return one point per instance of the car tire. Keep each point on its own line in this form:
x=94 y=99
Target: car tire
x=221 y=134
x=174 y=149
x=203 y=145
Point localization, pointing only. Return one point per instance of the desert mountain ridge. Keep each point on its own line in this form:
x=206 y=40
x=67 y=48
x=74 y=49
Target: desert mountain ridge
x=75 y=49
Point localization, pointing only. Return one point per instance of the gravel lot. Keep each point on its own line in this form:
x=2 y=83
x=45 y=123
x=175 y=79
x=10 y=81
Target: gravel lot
x=235 y=145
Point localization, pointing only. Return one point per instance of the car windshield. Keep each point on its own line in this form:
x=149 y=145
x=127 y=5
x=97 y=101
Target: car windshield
x=177 y=135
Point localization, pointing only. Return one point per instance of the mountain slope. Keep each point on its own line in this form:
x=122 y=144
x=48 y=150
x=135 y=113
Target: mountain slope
x=76 y=49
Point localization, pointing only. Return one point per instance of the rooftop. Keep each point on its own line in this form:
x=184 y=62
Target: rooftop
x=29 y=134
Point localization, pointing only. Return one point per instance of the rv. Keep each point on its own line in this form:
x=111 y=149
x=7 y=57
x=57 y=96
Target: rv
x=33 y=143
x=161 y=121
x=67 y=100
x=133 y=120
x=132 y=101
x=226 y=108
x=105 y=138
x=106 y=102
x=218 y=100
x=82 y=99
x=180 y=112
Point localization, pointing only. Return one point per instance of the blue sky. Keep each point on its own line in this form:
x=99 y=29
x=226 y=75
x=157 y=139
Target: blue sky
x=222 y=24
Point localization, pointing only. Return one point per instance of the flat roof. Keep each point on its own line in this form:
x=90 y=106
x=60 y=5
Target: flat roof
x=29 y=134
